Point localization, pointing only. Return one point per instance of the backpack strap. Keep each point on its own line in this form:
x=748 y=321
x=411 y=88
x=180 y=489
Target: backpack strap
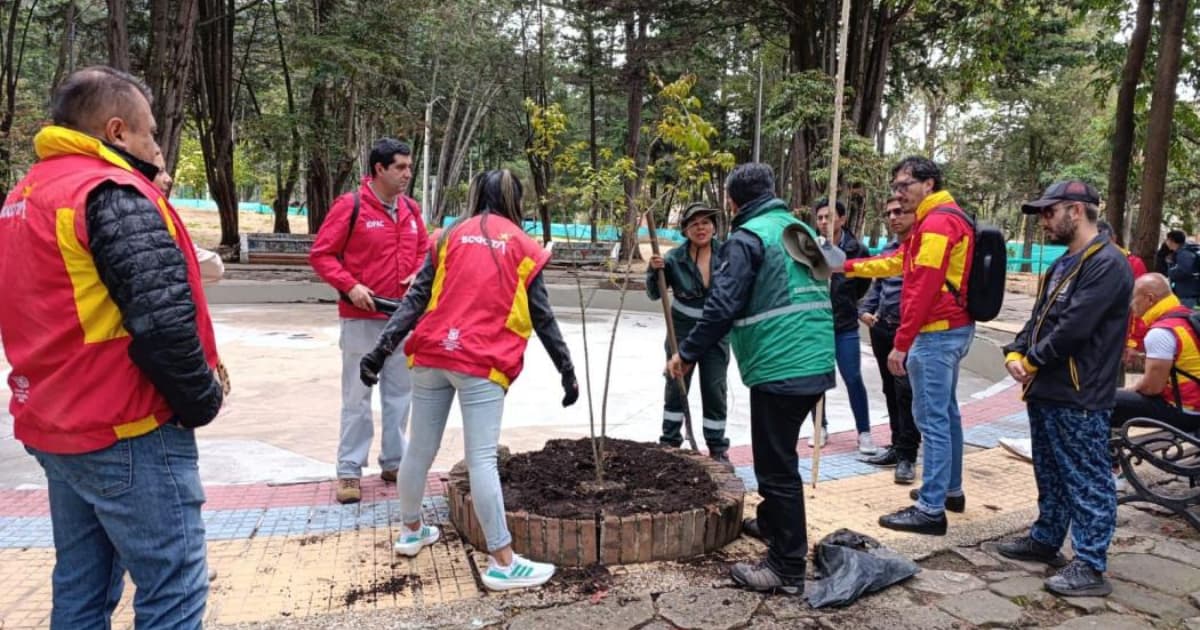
x=353 y=221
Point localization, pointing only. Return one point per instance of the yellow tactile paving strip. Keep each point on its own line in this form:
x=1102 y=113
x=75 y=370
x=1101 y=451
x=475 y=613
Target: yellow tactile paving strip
x=272 y=577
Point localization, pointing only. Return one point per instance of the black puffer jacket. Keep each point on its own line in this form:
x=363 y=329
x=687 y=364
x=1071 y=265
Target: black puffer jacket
x=846 y=292
x=145 y=273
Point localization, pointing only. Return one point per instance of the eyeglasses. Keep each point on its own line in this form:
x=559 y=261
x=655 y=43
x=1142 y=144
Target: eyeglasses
x=899 y=213
x=898 y=186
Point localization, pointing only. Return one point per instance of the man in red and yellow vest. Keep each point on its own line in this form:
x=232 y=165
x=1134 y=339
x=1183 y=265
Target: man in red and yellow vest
x=934 y=335
x=1169 y=389
x=372 y=243
x=112 y=351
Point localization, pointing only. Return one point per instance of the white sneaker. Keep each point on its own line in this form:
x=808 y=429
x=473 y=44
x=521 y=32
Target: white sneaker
x=1022 y=448
x=824 y=432
x=522 y=573
x=865 y=445
x=411 y=542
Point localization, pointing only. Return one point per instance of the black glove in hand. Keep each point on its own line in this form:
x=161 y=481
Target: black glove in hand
x=369 y=367
x=570 y=388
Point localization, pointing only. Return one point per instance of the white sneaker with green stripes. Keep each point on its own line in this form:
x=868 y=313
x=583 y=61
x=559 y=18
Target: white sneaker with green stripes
x=411 y=542
x=522 y=573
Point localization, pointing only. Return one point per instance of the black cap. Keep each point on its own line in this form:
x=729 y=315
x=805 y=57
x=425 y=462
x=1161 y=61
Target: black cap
x=695 y=211
x=1069 y=190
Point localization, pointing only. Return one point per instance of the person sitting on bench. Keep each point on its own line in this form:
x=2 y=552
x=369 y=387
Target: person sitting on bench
x=1169 y=390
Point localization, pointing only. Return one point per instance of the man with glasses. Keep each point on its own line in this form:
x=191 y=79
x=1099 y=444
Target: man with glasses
x=880 y=311
x=1066 y=360
x=934 y=334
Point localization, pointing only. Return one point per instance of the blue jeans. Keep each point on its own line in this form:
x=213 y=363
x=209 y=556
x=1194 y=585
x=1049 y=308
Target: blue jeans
x=482 y=405
x=849 y=364
x=932 y=366
x=133 y=506
x=1072 y=466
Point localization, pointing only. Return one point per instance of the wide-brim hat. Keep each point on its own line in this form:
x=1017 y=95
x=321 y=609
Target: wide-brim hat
x=820 y=258
x=695 y=211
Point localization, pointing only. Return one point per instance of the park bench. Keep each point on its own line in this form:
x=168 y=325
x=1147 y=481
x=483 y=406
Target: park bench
x=275 y=249
x=583 y=253
x=1167 y=450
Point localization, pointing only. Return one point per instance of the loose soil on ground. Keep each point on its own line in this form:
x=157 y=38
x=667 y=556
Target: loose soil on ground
x=638 y=478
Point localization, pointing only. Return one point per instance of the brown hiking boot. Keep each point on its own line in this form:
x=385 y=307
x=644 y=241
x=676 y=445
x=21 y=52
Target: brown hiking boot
x=389 y=475
x=348 y=490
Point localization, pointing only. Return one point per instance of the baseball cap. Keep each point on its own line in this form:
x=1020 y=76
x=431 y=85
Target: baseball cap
x=1068 y=190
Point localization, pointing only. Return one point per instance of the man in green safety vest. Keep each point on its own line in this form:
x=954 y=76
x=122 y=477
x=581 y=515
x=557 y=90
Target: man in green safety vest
x=780 y=321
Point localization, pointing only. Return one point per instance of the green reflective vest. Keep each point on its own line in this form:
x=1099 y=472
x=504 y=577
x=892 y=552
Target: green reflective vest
x=786 y=328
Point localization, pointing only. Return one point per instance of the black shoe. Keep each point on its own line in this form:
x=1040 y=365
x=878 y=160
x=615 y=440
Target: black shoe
x=887 y=457
x=763 y=579
x=1078 y=579
x=954 y=504
x=722 y=457
x=906 y=473
x=1030 y=550
x=750 y=528
x=911 y=519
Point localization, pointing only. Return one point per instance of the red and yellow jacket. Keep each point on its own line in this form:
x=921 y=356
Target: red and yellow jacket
x=937 y=250
x=1170 y=314
x=478 y=321
x=75 y=387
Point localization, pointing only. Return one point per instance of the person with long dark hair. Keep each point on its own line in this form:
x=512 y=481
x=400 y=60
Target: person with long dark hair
x=471 y=311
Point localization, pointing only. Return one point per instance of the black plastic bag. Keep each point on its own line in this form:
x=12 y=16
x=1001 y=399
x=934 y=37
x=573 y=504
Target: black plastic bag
x=850 y=565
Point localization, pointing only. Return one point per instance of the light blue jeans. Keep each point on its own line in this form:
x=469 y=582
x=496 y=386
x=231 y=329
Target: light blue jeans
x=482 y=405
x=358 y=424
x=133 y=506
x=932 y=364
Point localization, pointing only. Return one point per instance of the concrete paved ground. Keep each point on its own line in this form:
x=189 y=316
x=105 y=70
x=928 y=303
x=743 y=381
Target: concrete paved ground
x=280 y=424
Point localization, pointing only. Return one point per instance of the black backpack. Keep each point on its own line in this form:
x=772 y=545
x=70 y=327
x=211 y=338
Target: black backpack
x=989 y=267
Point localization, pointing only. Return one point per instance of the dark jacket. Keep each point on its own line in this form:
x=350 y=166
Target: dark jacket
x=741 y=259
x=846 y=292
x=685 y=282
x=1075 y=335
x=1183 y=275
x=883 y=298
x=146 y=276
x=415 y=301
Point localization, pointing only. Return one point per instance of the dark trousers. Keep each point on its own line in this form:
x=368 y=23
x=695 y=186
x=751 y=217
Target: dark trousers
x=774 y=431
x=1134 y=405
x=713 y=366
x=906 y=438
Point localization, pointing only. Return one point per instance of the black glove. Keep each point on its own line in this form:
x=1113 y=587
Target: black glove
x=369 y=367
x=570 y=388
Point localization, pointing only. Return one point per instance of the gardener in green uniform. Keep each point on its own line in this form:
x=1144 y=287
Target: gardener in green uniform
x=782 y=323
x=688 y=270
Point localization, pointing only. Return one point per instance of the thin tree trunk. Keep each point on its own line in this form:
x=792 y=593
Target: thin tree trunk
x=635 y=82
x=214 y=109
x=10 y=76
x=118 y=35
x=1123 y=126
x=285 y=185
x=1173 y=15
x=168 y=69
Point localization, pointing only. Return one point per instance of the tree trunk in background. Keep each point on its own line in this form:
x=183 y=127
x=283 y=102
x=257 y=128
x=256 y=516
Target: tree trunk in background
x=213 y=101
x=10 y=75
x=168 y=69
x=1123 y=126
x=66 y=48
x=635 y=84
x=1173 y=15
x=118 y=35
x=285 y=184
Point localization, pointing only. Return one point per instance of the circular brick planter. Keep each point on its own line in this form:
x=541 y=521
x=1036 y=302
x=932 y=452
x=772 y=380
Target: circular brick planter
x=613 y=539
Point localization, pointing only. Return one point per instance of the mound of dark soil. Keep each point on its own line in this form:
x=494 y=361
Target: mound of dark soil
x=558 y=480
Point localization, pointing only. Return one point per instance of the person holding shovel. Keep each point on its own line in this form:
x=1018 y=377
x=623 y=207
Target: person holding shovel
x=689 y=271
x=781 y=319
x=471 y=311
